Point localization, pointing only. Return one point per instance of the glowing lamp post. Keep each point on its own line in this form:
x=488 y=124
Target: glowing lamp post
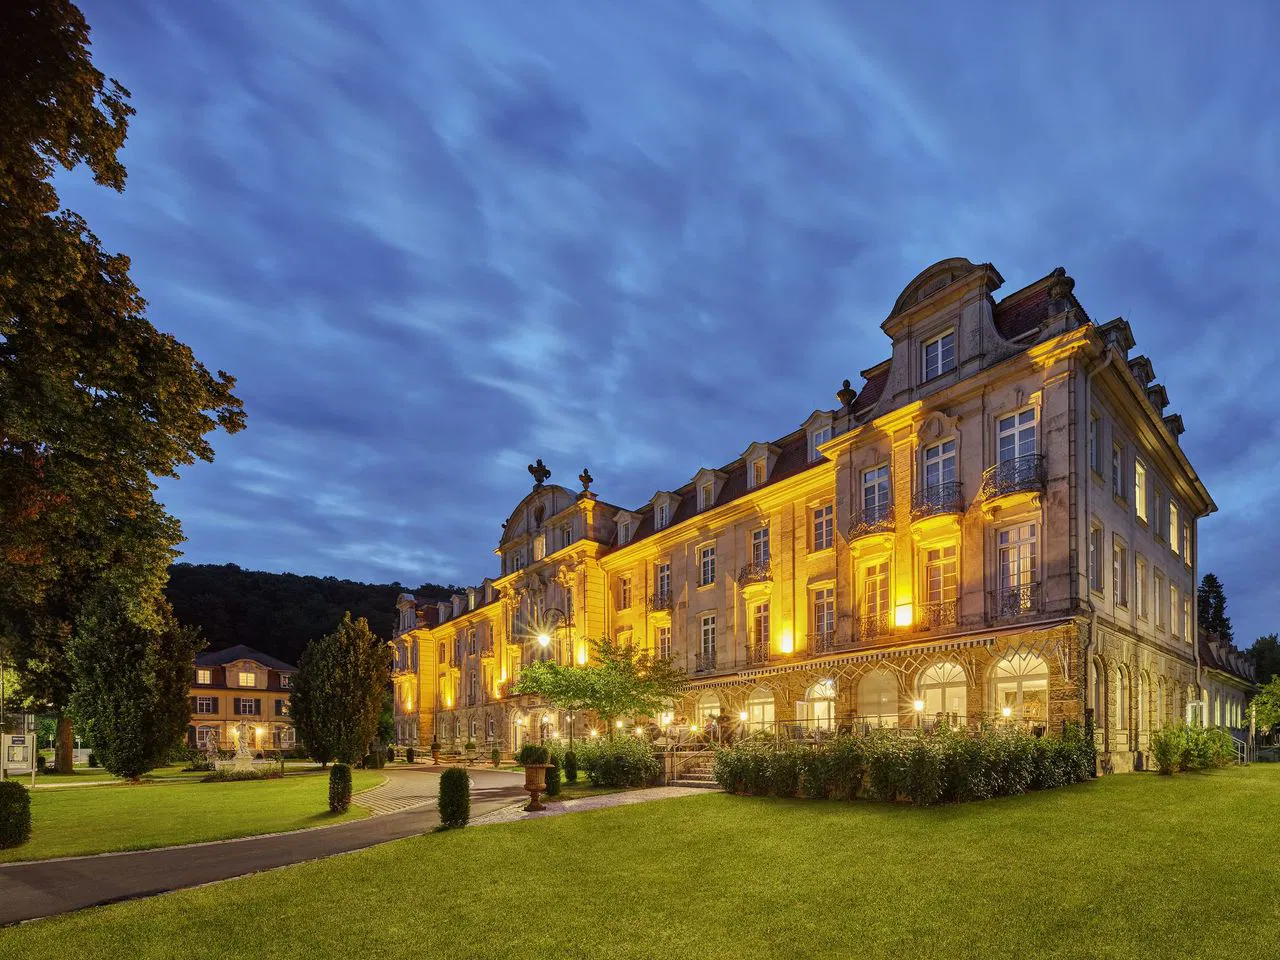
x=919 y=708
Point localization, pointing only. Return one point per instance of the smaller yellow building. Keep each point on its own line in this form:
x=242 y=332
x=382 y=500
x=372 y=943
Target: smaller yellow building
x=241 y=689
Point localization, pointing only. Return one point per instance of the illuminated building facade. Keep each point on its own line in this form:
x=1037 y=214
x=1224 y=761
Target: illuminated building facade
x=999 y=522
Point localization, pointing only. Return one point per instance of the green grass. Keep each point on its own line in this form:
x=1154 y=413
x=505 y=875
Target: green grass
x=137 y=816
x=98 y=775
x=583 y=788
x=1132 y=866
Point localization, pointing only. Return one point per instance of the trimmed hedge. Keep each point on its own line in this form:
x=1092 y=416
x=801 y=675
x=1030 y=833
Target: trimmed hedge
x=408 y=755
x=942 y=767
x=622 y=762
x=15 y=814
x=1184 y=748
x=339 y=788
x=570 y=766
x=455 y=798
x=553 y=780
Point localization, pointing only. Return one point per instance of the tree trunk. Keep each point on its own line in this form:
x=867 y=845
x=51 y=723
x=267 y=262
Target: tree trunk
x=64 y=744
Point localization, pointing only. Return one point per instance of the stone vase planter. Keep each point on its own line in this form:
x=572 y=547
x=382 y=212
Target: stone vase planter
x=535 y=781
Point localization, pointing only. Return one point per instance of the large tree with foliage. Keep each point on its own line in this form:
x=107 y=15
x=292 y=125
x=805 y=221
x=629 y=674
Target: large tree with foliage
x=131 y=684
x=95 y=402
x=1266 y=705
x=1211 y=605
x=338 y=692
x=619 y=680
x=1266 y=657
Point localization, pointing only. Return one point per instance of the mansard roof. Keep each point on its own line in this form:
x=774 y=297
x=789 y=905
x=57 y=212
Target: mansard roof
x=220 y=658
x=1224 y=656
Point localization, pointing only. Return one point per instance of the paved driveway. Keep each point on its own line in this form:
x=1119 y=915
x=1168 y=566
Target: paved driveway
x=46 y=887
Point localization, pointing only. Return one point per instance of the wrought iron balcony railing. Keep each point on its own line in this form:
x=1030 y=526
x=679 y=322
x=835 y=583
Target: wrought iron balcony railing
x=824 y=641
x=937 y=499
x=1014 y=600
x=1014 y=476
x=875 y=518
x=660 y=601
x=938 y=613
x=704 y=662
x=873 y=625
x=757 y=653
x=486 y=650
x=757 y=571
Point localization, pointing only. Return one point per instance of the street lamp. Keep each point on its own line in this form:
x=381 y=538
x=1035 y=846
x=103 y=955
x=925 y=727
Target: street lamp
x=919 y=707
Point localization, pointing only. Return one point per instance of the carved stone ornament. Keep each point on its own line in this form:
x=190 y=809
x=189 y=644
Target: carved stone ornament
x=586 y=479
x=539 y=472
x=1061 y=285
x=846 y=395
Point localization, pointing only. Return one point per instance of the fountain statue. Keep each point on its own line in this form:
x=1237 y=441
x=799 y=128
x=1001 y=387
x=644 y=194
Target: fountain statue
x=244 y=756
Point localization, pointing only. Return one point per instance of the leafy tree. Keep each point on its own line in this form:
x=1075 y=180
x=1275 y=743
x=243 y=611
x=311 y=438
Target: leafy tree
x=94 y=401
x=131 y=685
x=1267 y=705
x=1266 y=657
x=338 y=691
x=618 y=681
x=1212 y=607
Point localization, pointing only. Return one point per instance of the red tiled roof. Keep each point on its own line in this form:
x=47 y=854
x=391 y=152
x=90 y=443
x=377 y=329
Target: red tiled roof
x=1023 y=315
x=872 y=388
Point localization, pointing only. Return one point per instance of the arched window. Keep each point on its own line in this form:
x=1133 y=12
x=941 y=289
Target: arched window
x=878 y=698
x=1122 y=699
x=945 y=692
x=1022 y=687
x=490 y=728
x=707 y=708
x=760 y=709
x=818 y=708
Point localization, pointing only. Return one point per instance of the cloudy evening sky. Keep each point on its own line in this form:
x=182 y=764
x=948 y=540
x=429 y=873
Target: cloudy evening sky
x=436 y=240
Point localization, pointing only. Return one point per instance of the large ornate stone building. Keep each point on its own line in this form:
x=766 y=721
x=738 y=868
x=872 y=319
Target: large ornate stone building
x=999 y=522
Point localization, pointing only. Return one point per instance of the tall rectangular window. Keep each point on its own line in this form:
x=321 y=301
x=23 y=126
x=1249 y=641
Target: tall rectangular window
x=707 y=561
x=1095 y=558
x=624 y=593
x=1140 y=592
x=1018 y=566
x=1016 y=435
x=757 y=473
x=624 y=532
x=709 y=635
x=1158 y=520
x=939 y=355
x=875 y=589
x=663 y=515
x=1140 y=489
x=1175 y=527
x=1119 y=573
x=760 y=625
x=941 y=574
x=1162 y=598
x=205 y=705
x=823 y=527
x=706 y=496
x=1186 y=542
x=824 y=610
x=664 y=642
x=1175 y=610
x=1186 y=618
x=939 y=465
x=1117 y=471
x=662 y=577
x=875 y=492
x=760 y=546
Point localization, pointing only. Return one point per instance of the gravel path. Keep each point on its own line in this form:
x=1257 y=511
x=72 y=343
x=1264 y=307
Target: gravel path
x=554 y=808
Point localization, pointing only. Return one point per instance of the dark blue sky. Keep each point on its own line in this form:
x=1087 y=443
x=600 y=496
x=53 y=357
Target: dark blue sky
x=437 y=240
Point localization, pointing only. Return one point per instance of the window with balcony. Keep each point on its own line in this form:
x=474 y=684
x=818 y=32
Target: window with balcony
x=824 y=611
x=1175 y=528
x=1019 y=467
x=1140 y=588
x=664 y=642
x=760 y=546
x=875 y=489
x=624 y=593
x=1119 y=573
x=1017 y=569
x=759 y=638
x=823 y=527
x=1095 y=558
x=1016 y=435
x=874 y=619
x=1117 y=471
x=662 y=580
x=757 y=473
x=707 y=566
x=707 y=649
x=940 y=490
x=942 y=585
x=818 y=437
x=204 y=676
x=1140 y=489
x=939 y=464
x=939 y=355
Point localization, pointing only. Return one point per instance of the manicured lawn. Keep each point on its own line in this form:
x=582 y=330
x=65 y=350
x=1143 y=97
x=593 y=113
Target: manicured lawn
x=98 y=775
x=136 y=816
x=583 y=788
x=1126 y=867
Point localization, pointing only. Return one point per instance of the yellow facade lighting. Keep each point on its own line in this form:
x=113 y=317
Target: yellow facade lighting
x=903 y=615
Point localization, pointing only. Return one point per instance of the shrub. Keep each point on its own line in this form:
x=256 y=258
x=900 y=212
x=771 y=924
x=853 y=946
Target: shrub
x=784 y=771
x=886 y=766
x=435 y=746
x=15 y=814
x=228 y=775
x=93 y=759
x=846 y=767
x=339 y=788
x=621 y=762
x=1167 y=745
x=571 y=766
x=532 y=753
x=495 y=756
x=391 y=754
x=922 y=780
x=455 y=798
x=470 y=747
x=815 y=773
x=553 y=780
x=41 y=763
x=408 y=755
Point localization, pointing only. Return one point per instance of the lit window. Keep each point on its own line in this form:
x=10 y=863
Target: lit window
x=1174 y=527
x=875 y=493
x=1186 y=618
x=1120 y=573
x=1186 y=542
x=707 y=558
x=823 y=527
x=942 y=577
x=664 y=642
x=624 y=532
x=816 y=439
x=662 y=577
x=875 y=590
x=204 y=676
x=286 y=681
x=940 y=355
x=757 y=473
x=760 y=625
x=824 y=611
x=248 y=679
x=1018 y=567
x=1140 y=489
x=1175 y=608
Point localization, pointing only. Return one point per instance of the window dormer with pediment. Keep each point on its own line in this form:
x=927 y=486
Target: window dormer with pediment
x=760 y=459
x=627 y=523
x=708 y=484
x=818 y=429
x=664 y=508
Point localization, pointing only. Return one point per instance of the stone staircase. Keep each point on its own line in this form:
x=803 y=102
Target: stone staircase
x=697 y=773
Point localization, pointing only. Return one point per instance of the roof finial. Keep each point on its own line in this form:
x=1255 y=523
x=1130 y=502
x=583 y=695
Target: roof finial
x=585 y=478
x=540 y=473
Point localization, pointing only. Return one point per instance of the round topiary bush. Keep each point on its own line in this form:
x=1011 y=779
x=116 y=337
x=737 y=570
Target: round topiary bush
x=455 y=798
x=408 y=755
x=93 y=759
x=570 y=767
x=339 y=788
x=391 y=754
x=41 y=763
x=15 y=814
x=495 y=756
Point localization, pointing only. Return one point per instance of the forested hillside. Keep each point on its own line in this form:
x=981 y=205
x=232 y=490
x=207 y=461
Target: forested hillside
x=278 y=613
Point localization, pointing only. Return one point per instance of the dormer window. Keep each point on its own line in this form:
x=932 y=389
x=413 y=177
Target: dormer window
x=817 y=438
x=706 y=496
x=758 y=473
x=939 y=355
x=204 y=675
x=248 y=678
x=662 y=516
x=624 y=532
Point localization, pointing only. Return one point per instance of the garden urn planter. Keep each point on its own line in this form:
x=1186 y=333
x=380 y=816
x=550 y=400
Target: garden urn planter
x=535 y=781
x=435 y=755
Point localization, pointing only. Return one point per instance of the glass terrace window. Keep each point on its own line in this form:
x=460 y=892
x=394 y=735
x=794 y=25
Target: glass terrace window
x=940 y=355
